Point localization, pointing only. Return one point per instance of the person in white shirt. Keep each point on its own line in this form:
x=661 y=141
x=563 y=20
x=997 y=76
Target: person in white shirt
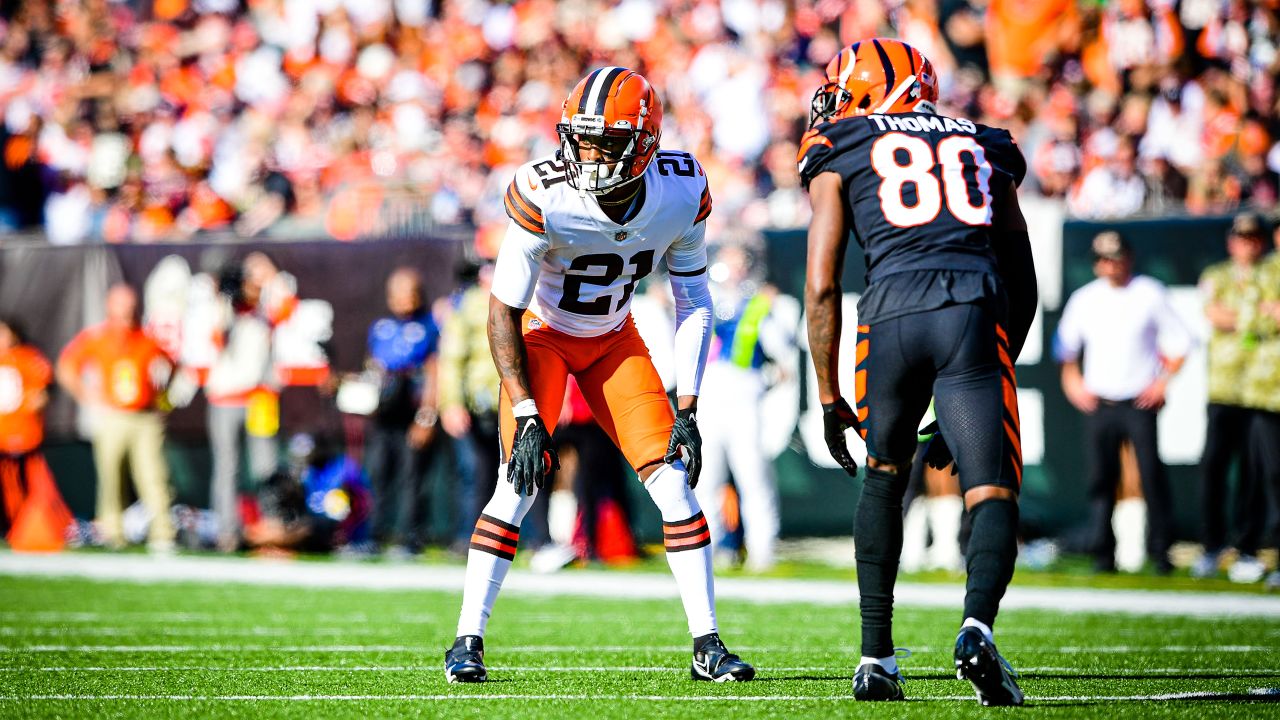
x=1132 y=342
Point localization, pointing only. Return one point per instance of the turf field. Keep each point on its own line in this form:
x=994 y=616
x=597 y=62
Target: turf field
x=90 y=648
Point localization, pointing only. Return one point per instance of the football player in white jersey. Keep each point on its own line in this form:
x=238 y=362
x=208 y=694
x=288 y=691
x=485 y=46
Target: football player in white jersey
x=586 y=225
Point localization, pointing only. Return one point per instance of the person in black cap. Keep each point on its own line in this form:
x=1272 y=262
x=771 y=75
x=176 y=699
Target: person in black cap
x=1120 y=322
x=1230 y=291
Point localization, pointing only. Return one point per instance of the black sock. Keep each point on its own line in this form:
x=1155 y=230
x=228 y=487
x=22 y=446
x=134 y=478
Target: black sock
x=877 y=536
x=993 y=547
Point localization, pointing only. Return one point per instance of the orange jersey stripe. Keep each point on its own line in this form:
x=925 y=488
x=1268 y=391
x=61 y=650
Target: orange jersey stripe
x=862 y=349
x=704 y=208
x=522 y=220
x=483 y=524
x=810 y=139
x=525 y=203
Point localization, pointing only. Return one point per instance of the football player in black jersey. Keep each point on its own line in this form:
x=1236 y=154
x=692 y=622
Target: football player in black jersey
x=950 y=296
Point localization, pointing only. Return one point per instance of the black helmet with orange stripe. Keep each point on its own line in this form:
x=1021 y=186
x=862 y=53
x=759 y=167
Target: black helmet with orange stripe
x=618 y=111
x=880 y=75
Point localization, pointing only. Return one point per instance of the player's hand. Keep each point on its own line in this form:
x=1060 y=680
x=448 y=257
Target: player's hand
x=533 y=455
x=685 y=434
x=836 y=418
x=936 y=453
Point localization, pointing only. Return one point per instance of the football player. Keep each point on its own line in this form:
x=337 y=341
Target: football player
x=586 y=225
x=950 y=296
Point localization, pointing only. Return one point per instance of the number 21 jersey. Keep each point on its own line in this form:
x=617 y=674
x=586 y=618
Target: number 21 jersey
x=577 y=269
x=918 y=186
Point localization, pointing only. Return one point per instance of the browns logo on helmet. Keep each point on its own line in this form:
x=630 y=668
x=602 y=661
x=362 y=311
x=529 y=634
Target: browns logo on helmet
x=617 y=111
x=880 y=75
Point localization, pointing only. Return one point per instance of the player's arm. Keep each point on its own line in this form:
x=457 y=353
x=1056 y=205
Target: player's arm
x=515 y=277
x=687 y=267
x=823 y=295
x=1017 y=268
x=1177 y=341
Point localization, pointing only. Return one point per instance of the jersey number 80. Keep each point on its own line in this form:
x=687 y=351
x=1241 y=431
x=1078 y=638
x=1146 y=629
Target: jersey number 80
x=966 y=186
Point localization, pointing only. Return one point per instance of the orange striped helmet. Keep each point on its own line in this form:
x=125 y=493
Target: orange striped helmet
x=879 y=75
x=617 y=111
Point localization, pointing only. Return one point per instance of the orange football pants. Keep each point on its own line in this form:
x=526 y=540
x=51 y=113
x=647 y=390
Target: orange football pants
x=617 y=378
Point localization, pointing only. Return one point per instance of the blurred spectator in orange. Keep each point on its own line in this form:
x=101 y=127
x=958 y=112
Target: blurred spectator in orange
x=24 y=377
x=118 y=373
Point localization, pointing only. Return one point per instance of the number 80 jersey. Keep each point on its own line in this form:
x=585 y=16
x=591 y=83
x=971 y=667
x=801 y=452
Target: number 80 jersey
x=919 y=187
x=575 y=268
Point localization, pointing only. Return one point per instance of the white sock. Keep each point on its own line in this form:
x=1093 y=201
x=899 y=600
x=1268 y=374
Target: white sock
x=688 y=543
x=493 y=547
x=890 y=664
x=985 y=628
x=945 y=513
x=562 y=516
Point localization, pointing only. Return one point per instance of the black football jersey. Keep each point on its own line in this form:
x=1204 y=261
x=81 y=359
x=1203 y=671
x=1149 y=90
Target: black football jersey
x=918 y=187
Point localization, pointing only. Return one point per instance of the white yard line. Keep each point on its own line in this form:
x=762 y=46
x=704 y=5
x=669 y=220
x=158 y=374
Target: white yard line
x=1261 y=693
x=553 y=649
x=594 y=583
x=909 y=671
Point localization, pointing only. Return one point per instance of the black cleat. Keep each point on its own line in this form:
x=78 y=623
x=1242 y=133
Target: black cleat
x=991 y=675
x=713 y=661
x=464 y=662
x=874 y=683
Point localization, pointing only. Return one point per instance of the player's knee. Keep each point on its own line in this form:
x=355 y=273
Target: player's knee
x=888 y=466
x=647 y=471
x=975 y=496
x=884 y=485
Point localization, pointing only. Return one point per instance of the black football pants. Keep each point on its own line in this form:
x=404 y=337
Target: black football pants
x=1240 y=523
x=957 y=355
x=1106 y=429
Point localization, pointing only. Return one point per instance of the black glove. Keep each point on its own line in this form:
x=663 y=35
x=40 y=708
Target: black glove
x=836 y=418
x=533 y=456
x=685 y=433
x=936 y=454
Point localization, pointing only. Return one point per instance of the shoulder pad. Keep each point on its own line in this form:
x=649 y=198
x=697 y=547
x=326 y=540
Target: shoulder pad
x=524 y=197
x=1003 y=152
x=821 y=145
x=815 y=150
x=684 y=169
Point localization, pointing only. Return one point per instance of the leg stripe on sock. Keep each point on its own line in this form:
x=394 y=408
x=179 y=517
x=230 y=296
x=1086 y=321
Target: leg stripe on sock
x=682 y=525
x=501 y=548
x=688 y=534
x=494 y=525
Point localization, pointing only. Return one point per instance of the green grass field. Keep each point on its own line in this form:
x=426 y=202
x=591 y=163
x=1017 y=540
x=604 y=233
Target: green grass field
x=79 y=648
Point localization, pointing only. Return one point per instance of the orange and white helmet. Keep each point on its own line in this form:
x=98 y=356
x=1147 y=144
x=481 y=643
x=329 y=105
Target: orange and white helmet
x=879 y=75
x=617 y=110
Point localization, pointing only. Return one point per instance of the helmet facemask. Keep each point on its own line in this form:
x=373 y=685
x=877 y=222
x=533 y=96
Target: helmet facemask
x=619 y=148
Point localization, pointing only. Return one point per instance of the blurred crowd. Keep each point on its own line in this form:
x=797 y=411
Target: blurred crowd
x=145 y=120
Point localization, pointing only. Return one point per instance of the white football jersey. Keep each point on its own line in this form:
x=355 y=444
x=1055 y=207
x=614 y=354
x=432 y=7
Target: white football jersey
x=566 y=261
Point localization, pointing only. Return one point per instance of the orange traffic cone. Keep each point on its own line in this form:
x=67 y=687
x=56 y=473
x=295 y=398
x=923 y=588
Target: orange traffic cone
x=41 y=523
x=614 y=543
